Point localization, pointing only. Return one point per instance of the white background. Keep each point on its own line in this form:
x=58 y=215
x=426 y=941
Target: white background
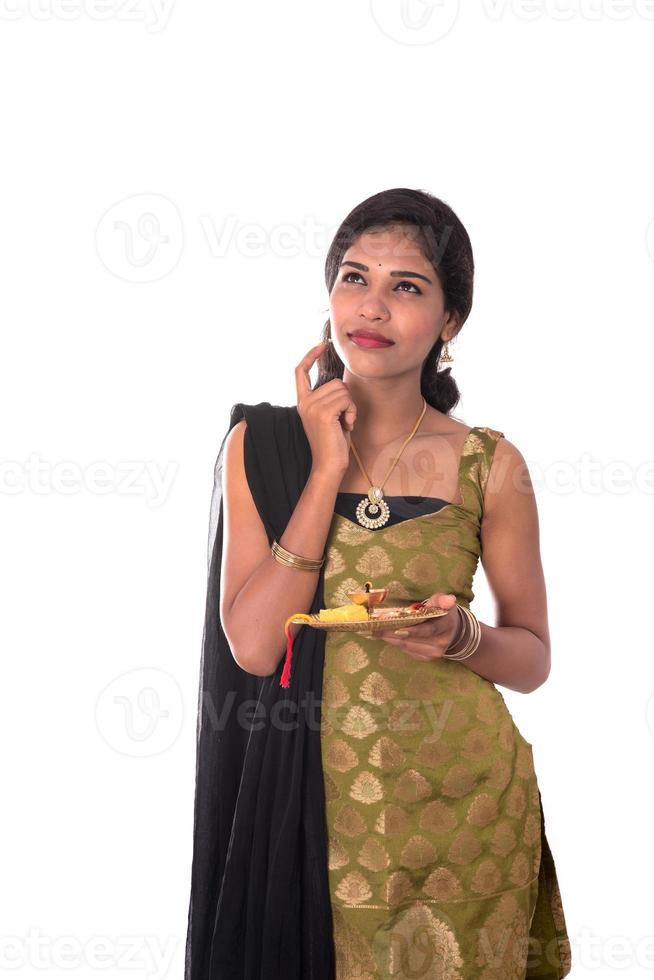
x=171 y=180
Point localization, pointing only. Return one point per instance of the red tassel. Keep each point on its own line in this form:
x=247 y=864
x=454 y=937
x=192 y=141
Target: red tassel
x=286 y=673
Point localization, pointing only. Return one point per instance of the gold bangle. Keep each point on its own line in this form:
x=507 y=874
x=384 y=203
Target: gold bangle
x=474 y=637
x=464 y=634
x=463 y=623
x=289 y=559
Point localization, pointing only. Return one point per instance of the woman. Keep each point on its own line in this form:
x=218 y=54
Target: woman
x=401 y=835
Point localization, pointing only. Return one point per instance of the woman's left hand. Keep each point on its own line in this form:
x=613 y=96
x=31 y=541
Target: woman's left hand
x=428 y=640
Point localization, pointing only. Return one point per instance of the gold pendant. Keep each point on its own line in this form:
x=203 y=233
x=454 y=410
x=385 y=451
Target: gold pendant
x=373 y=510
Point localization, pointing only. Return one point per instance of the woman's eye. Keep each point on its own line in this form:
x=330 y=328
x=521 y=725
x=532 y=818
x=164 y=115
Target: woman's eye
x=404 y=282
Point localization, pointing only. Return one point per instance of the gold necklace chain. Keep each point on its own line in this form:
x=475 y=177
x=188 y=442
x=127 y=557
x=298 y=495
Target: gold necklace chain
x=374 y=503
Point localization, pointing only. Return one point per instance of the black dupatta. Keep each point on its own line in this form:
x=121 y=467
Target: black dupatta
x=260 y=906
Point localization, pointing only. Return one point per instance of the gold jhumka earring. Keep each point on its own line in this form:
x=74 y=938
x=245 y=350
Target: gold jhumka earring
x=446 y=357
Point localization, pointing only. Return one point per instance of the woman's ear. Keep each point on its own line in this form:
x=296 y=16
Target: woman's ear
x=451 y=327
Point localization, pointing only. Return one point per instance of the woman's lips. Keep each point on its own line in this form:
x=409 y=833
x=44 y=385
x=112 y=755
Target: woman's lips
x=369 y=341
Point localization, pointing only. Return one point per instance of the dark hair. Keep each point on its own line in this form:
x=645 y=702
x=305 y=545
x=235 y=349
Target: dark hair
x=443 y=241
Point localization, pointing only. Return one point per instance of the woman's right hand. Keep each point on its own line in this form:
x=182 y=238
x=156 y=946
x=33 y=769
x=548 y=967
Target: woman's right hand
x=321 y=410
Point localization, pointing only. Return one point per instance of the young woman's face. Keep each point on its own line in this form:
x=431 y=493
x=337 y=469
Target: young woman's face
x=385 y=284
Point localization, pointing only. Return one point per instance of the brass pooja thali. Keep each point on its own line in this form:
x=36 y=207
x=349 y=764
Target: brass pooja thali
x=364 y=614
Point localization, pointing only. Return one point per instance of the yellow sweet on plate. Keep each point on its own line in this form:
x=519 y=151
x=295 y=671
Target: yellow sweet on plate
x=339 y=614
